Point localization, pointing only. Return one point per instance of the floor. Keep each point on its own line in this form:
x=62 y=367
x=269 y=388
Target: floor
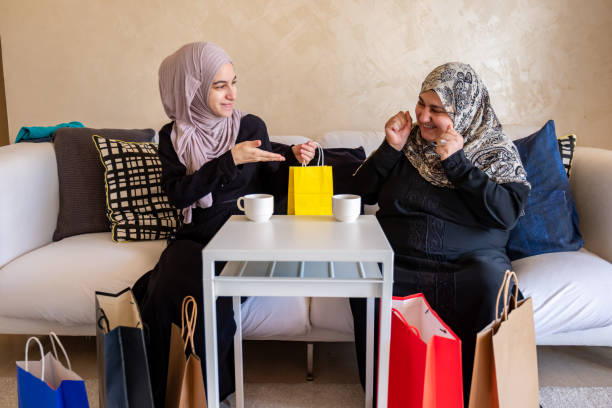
x=285 y=362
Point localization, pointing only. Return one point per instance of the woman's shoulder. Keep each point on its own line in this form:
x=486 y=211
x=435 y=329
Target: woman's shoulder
x=165 y=131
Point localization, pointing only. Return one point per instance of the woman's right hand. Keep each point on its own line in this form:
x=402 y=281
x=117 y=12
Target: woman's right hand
x=249 y=152
x=397 y=130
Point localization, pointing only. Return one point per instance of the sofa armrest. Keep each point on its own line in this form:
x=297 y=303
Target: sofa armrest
x=29 y=198
x=591 y=182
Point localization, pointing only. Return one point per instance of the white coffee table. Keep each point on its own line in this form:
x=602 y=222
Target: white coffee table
x=292 y=246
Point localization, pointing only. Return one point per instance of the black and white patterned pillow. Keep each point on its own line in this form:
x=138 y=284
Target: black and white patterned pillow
x=136 y=204
x=567 y=144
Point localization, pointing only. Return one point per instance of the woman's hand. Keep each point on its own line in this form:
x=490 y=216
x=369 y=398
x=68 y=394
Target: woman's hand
x=397 y=130
x=249 y=152
x=450 y=142
x=304 y=152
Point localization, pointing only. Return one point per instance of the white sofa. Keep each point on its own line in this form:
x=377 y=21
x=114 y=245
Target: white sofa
x=47 y=285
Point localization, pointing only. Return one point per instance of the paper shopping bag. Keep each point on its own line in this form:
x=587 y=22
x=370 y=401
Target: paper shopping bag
x=47 y=383
x=505 y=372
x=425 y=357
x=185 y=385
x=123 y=369
x=310 y=189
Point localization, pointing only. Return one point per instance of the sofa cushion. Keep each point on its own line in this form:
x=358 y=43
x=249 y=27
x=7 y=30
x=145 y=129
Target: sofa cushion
x=56 y=284
x=81 y=178
x=57 y=281
x=567 y=145
x=138 y=207
x=289 y=140
x=267 y=317
x=332 y=314
x=550 y=222
x=369 y=140
x=570 y=290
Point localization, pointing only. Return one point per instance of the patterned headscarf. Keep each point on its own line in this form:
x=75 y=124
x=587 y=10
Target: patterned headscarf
x=198 y=135
x=466 y=99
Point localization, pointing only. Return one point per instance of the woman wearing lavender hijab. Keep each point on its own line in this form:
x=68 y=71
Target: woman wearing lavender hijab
x=450 y=187
x=211 y=154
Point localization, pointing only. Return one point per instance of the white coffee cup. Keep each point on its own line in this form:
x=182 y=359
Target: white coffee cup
x=257 y=207
x=346 y=207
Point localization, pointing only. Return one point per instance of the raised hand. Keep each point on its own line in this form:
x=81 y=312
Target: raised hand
x=249 y=152
x=448 y=143
x=304 y=152
x=397 y=129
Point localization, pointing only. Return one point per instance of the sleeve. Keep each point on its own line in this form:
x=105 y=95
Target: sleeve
x=258 y=131
x=369 y=177
x=496 y=205
x=182 y=189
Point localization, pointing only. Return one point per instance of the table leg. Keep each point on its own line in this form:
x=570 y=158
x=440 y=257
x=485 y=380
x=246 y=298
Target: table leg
x=384 y=341
x=369 y=352
x=210 y=333
x=238 y=353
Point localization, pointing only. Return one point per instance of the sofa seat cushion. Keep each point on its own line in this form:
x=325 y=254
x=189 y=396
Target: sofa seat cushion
x=332 y=314
x=570 y=291
x=269 y=317
x=57 y=281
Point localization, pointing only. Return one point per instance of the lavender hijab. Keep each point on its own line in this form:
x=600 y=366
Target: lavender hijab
x=198 y=135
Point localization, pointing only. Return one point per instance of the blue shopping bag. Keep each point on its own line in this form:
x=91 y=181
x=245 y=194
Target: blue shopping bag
x=46 y=383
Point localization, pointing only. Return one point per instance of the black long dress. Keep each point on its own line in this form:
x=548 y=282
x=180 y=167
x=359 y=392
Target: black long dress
x=449 y=244
x=179 y=270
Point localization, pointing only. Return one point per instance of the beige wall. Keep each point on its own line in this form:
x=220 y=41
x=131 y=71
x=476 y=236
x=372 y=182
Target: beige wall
x=310 y=66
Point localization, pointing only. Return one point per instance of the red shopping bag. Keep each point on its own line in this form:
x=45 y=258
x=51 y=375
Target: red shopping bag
x=425 y=357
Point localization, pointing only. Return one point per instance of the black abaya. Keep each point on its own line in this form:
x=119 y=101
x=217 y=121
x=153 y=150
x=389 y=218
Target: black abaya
x=179 y=271
x=449 y=244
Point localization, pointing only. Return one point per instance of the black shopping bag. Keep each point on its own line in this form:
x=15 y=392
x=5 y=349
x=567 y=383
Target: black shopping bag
x=123 y=369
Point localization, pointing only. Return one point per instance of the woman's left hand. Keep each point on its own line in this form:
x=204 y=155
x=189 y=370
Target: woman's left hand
x=450 y=142
x=304 y=152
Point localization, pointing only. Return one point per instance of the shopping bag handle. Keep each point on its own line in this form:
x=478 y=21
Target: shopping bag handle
x=320 y=159
x=190 y=319
x=42 y=356
x=104 y=319
x=53 y=337
x=403 y=319
x=508 y=277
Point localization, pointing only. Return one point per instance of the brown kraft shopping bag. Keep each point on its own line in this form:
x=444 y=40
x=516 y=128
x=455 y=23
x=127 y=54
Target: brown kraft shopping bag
x=505 y=373
x=185 y=384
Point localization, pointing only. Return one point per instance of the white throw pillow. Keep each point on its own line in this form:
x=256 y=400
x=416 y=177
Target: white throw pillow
x=570 y=290
x=370 y=140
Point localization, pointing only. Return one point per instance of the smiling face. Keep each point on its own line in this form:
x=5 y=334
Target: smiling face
x=222 y=93
x=432 y=118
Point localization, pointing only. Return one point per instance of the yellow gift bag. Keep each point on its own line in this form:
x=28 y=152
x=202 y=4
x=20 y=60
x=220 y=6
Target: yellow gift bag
x=310 y=189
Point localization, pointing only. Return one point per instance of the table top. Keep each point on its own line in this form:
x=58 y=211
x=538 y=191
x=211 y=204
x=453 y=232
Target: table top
x=299 y=238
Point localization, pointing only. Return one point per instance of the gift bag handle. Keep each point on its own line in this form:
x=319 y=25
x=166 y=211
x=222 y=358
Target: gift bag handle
x=403 y=319
x=320 y=159
x=104 y=319
x=508 y=276
x=190 y=320
x=42 y=356
x=53 y=337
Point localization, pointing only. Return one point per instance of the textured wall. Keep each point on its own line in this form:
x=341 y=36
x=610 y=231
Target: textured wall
x=310 y=66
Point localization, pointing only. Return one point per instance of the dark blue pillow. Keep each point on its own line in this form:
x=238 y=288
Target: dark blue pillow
x=550 y=223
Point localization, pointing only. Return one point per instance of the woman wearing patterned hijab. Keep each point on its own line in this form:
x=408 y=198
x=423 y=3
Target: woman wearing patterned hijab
x=211 y=154
x=449 y=189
